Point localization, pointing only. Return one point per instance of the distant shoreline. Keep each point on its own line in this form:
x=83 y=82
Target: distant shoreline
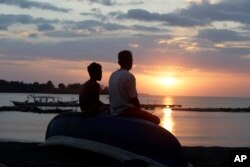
x=60 y=110
x=213 y=109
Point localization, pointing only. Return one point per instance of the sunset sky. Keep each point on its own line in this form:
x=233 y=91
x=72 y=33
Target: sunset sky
x=180 y=47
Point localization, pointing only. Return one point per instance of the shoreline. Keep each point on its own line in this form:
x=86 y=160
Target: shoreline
x=60 y=110
x=30 y=154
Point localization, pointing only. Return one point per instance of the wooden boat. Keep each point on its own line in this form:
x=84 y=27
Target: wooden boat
x=125 y=139
x=45 y=101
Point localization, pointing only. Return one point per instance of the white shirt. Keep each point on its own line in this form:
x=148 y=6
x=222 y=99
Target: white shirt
x=122 y=87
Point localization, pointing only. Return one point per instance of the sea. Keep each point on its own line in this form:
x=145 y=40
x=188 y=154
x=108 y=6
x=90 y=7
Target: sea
x=192 y=128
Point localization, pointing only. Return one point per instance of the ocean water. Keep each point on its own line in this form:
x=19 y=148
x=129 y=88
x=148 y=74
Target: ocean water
x=191 y=128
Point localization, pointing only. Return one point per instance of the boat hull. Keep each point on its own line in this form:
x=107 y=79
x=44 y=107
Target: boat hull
x=132 y=135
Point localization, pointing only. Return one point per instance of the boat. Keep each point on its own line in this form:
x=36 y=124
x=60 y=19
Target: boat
x=124 y=139
x=45 y=101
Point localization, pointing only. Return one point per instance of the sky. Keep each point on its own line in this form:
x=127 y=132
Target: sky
x=180 y=47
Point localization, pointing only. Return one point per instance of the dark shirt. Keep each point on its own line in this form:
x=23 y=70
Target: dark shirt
x=89 y=96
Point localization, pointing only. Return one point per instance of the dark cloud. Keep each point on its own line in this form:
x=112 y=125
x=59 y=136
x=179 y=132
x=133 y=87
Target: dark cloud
x=87 y=24
x=104 y=2
x=148 y=53
x=7 y=20
x=169 y=19
x=93 y=24
x=222 y=60
x=98 y=49
x=220 y=35
x=96 y=13
x=113 y=2
x=45 y=27
x=227 y=10
x=29 y=4
x=146 y=28
x=33 y=35
x=138 y=2
x=195 y=15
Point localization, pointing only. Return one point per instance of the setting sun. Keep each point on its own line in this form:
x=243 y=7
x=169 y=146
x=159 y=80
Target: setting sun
x=167 y=81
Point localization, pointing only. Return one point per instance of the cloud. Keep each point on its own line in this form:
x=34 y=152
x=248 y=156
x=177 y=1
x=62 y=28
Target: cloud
x=146 y=28
x=65 y=34
x=196 y=14
x=146 y=51
x=220 y=35
x=26 y=4
x=169 y=19
x=93 y=25
x=245 y=56
x=7 y=20
x=33 y=35
x=85 y=27
x=227 y=10
x=84 y=48
x=104 y=2
x=45 y=27
x=114 y=2
x=96 y=13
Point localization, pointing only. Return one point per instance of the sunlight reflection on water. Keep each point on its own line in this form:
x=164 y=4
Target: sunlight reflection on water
x=167 y=120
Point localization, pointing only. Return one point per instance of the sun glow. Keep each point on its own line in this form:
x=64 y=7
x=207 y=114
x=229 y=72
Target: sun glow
x=168 y=81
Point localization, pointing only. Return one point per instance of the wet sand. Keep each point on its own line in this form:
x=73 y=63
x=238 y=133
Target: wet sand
x=18 y=154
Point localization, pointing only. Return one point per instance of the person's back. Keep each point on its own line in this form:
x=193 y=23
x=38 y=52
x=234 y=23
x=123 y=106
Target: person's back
x=123 y=96
x=121 y=89
x=89 y=94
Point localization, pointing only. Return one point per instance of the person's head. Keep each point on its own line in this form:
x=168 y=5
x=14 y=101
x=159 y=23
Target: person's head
x=95 y=71
x=125 y=59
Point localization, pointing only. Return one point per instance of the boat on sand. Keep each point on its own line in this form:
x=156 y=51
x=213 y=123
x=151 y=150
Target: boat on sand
x=129 y=140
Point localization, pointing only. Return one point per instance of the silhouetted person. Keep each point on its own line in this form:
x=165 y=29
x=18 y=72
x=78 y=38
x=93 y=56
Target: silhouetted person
x=89 y=94
x=123 y=95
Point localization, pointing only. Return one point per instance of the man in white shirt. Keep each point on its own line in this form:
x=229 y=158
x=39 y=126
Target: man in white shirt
x=123 y=96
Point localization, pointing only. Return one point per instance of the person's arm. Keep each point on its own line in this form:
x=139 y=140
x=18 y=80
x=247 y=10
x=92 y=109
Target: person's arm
x=131 y=87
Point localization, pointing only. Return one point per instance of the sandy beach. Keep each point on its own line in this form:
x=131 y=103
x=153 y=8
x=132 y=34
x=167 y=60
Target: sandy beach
x=17 y=154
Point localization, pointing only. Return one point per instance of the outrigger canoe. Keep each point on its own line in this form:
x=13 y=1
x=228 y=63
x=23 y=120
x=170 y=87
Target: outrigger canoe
x=125 y=139
x=45 y=101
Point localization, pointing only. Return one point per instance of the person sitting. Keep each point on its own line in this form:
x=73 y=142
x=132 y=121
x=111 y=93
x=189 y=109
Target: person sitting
x=123 y=95
x=89 y=93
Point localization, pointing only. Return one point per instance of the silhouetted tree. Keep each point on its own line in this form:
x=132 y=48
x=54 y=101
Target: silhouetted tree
x=75 y=88
x=36 y=87
x=61 y=86
x=49 y=86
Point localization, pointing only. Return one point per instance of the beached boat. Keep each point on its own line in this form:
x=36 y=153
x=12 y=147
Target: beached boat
x=45 y=101
x=126 y=139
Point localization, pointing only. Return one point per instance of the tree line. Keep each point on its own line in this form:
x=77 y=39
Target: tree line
x=36 y=87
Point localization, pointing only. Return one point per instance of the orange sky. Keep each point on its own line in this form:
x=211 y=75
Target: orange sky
x=159 y=81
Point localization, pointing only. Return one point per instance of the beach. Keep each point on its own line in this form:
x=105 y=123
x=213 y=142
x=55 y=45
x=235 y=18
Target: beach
x=24 y=154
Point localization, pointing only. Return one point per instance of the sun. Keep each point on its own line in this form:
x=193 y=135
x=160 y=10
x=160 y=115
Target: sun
x=168 y=81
